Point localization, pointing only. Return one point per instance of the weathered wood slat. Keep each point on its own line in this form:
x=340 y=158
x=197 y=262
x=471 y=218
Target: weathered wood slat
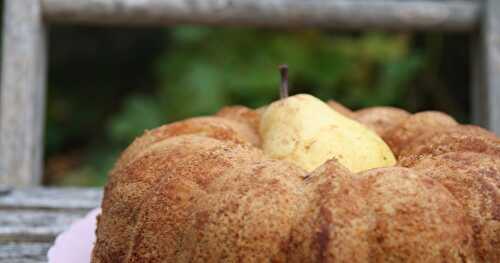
x=478 y=91
x=39 y=214
x=24 y=252
x=35 y=226
x=491 y=40
x=486 y=68
x=22 y=104
x=31 y=218
x=341 y=14
x=51 y=198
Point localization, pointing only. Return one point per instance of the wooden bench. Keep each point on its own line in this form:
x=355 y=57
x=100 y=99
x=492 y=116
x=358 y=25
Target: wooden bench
x=31 y=218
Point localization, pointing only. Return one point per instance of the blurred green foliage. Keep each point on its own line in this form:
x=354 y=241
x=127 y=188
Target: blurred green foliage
x=203 y=69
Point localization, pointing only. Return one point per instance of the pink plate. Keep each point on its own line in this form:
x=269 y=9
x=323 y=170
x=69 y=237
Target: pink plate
x=75 y=244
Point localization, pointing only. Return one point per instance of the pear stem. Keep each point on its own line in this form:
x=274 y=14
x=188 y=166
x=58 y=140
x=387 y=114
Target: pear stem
x=284 y=81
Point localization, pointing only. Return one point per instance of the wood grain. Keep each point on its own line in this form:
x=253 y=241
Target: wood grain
x=51 y=199
x=486 y=68
x=31 y=218
x=22 y=94
x=24 y=252
x=491 y=35
x=35 y=226
x=339 y=14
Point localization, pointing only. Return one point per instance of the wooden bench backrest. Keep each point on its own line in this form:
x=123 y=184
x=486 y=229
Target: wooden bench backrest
x=24 y=50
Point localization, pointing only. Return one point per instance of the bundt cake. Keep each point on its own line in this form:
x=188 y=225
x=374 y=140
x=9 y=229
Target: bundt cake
x=202 y=190
x=381 y=119
x=380 y=215
x=412 y=127
x=474 y=180
x=453 y=139
x=242 y=114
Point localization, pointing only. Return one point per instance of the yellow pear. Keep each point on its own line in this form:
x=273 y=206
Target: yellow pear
x=305 y=131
